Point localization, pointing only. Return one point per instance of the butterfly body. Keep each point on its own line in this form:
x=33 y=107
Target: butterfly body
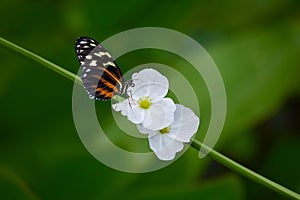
x=101 y=76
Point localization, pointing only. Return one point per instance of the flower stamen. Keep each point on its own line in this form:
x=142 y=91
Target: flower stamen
x=165 y=130
x=145 y=103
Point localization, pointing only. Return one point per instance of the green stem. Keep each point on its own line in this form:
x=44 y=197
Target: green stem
x=240 y=169
x=40 y=60
x=195 y=144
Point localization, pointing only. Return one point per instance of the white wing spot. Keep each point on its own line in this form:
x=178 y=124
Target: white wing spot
x=109 y=63
x=84 y=75
x=88 y=70
x=93 y=63
x=83 y=42
x=88 y=57
x=100 y=54
x=92 y=44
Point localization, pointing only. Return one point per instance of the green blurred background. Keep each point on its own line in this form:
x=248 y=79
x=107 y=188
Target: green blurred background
x=256 y=46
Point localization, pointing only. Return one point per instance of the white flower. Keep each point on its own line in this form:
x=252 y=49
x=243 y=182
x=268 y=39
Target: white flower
x=168 y=126
x=146 y=104
x=166 y=142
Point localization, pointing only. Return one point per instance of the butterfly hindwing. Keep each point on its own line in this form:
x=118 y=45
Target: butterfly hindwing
x=101 y=76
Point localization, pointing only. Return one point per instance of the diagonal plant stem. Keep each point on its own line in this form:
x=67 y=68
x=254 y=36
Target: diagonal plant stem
x=240 y=169
x=40 y=60
x=229 y=163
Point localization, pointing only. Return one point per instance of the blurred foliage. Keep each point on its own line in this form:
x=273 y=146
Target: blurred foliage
x=256 y=46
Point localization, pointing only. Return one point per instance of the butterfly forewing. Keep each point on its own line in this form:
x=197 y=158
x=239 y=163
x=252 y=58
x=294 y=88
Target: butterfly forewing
x=101 y=76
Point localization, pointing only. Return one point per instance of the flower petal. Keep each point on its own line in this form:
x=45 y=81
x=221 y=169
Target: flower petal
x=144 y=130
x=122 y=106
x=164 y=147
x=160 y=114
x=185 y=124
x=149 y=82
x=136 y=115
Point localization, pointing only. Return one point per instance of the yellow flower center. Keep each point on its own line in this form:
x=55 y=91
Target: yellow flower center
x=145 y=103
x=165 y=130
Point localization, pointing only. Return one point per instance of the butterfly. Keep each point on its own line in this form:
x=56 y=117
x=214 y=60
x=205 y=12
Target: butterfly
x=101 y=76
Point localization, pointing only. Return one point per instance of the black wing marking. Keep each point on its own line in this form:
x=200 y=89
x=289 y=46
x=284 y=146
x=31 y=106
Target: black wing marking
x=101 y=76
